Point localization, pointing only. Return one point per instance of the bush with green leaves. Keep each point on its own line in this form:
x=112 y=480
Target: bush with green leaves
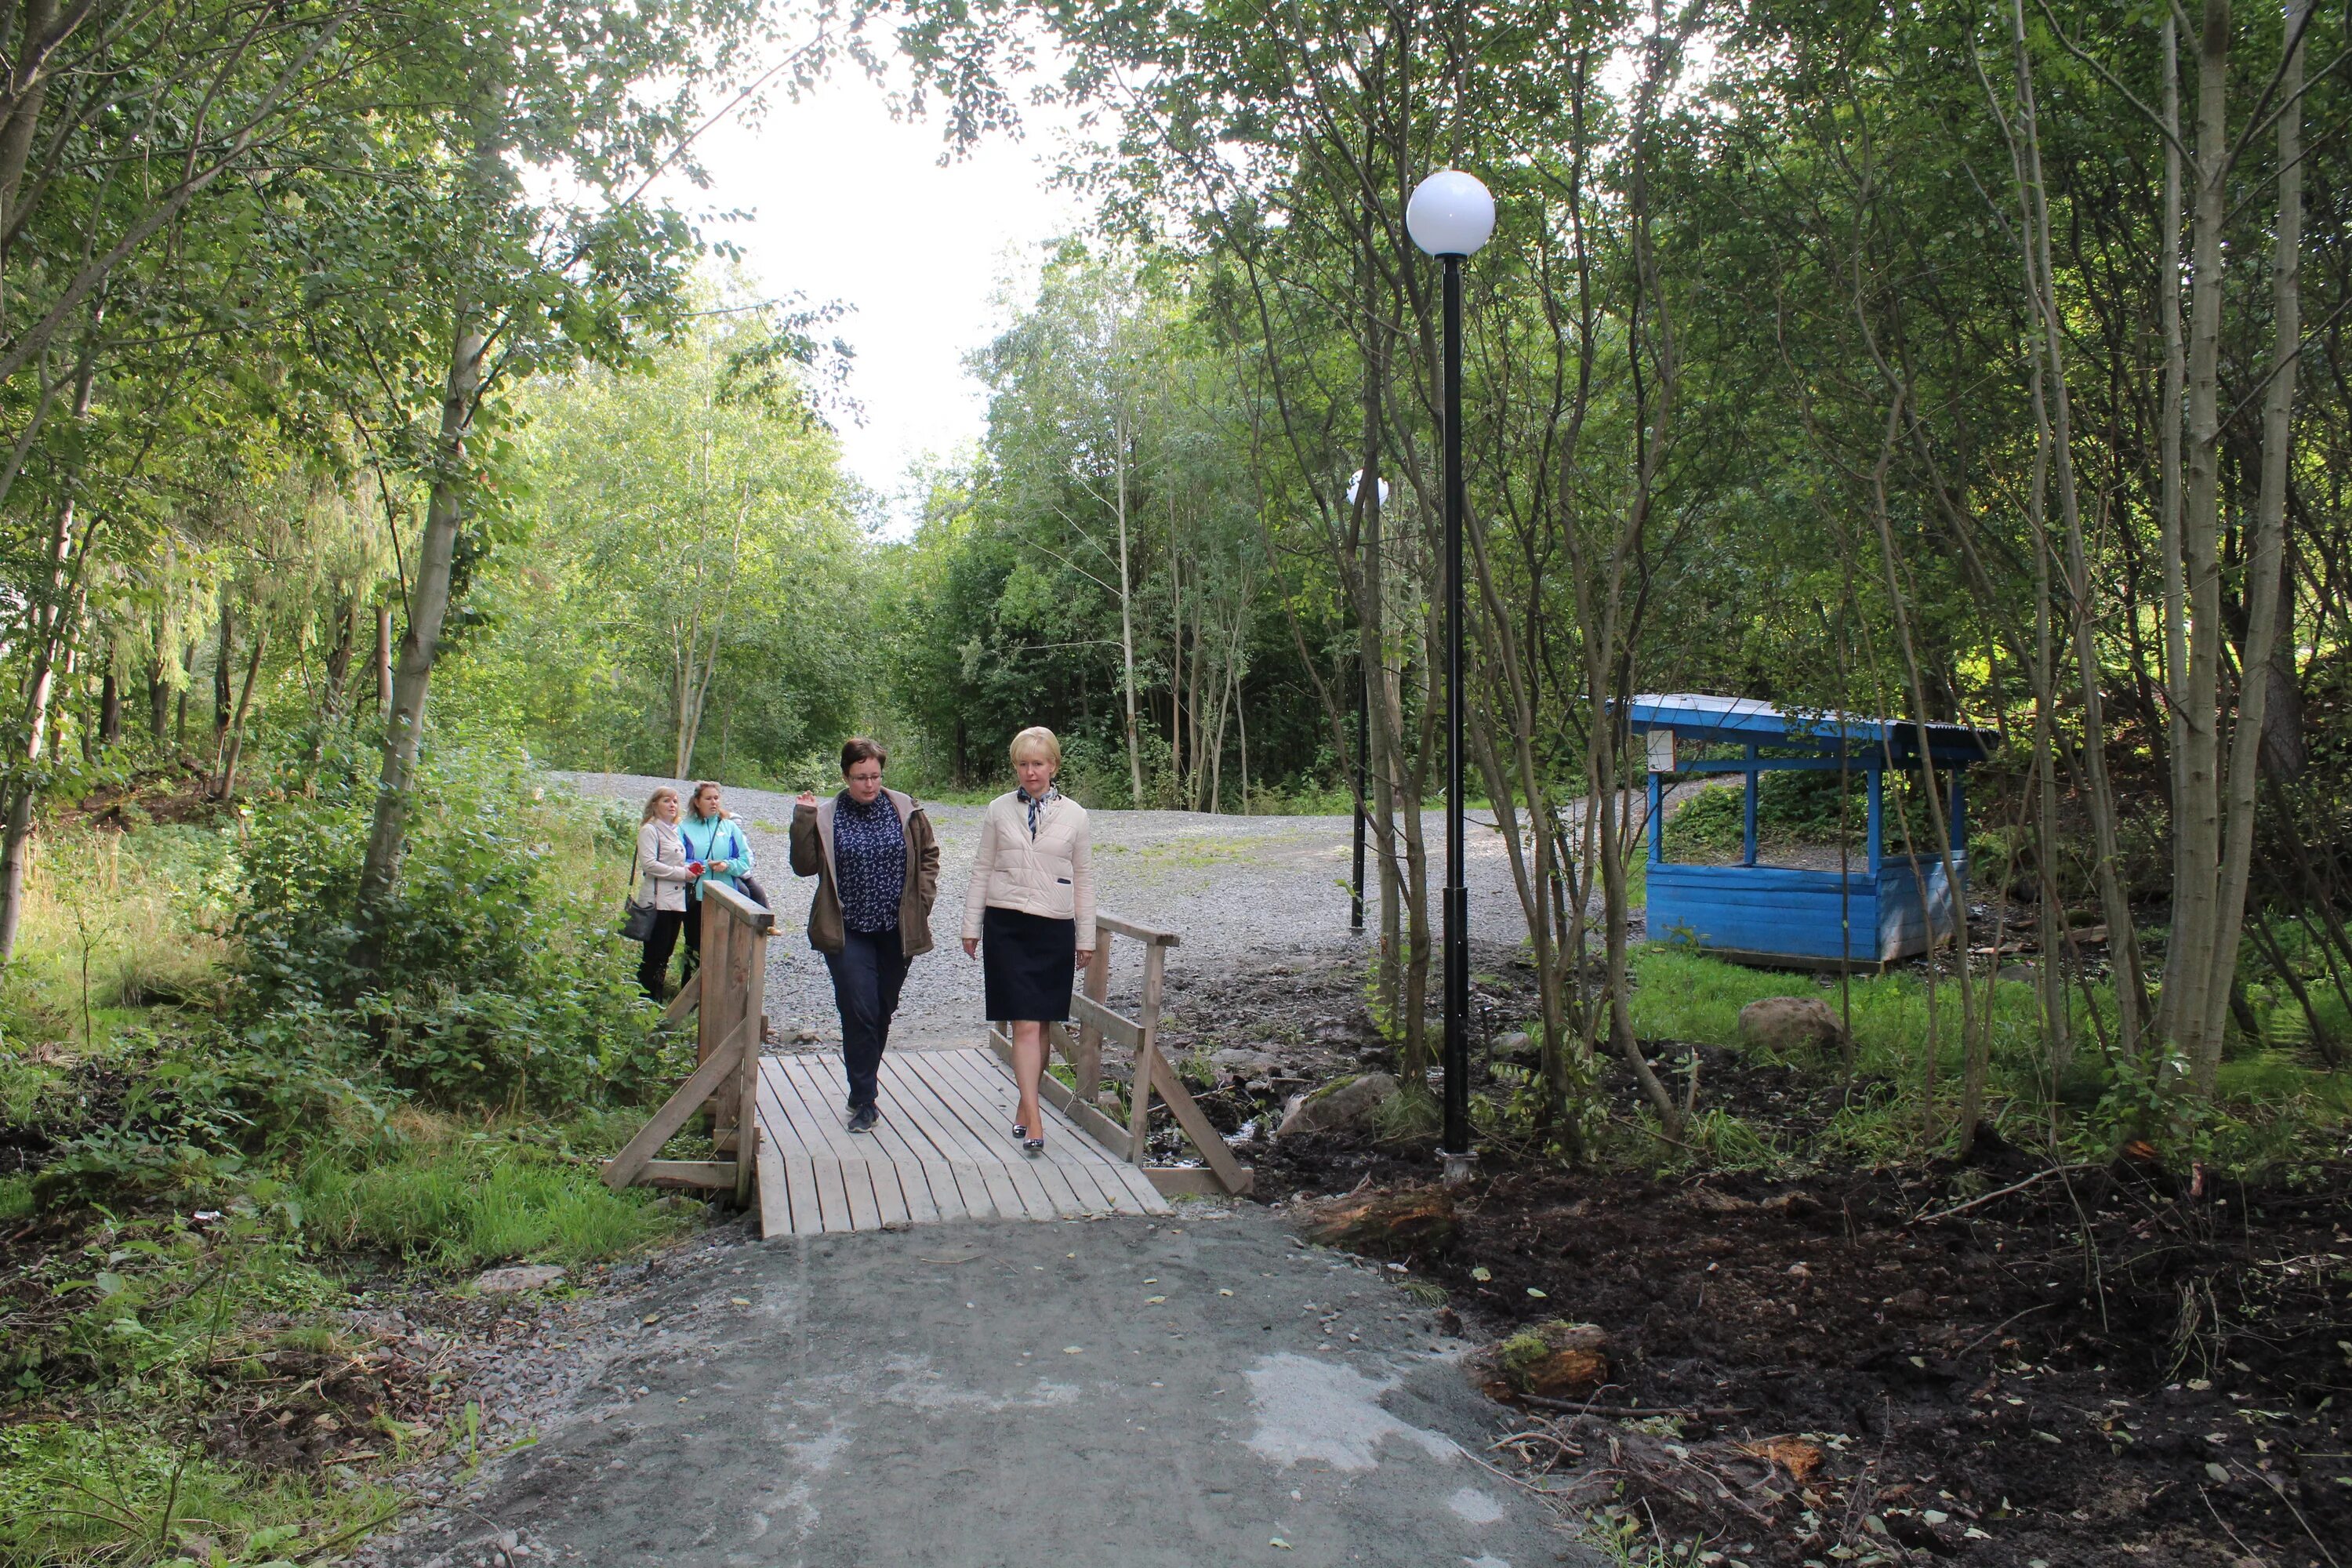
x=489 y=977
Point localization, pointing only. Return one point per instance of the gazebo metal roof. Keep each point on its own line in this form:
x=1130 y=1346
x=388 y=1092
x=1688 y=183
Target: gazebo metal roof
x=1750 y=721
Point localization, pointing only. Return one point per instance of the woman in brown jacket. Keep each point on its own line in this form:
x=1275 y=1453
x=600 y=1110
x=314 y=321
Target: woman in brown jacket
x=877 y=867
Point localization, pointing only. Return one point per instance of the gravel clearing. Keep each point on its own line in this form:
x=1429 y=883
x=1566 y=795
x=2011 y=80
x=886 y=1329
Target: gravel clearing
x=1239 y=891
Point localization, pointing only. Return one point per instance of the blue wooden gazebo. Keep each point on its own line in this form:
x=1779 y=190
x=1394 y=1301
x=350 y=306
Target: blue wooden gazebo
x=1866 y=916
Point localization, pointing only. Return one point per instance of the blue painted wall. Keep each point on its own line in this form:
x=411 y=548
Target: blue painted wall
x=1800 y=914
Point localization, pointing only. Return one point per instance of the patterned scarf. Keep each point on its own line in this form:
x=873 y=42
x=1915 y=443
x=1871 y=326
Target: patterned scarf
x=1036 y=803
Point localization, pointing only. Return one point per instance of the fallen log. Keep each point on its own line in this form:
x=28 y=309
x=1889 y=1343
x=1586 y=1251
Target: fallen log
x=1392 y=1223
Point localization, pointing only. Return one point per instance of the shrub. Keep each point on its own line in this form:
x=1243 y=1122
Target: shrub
x=491 y=975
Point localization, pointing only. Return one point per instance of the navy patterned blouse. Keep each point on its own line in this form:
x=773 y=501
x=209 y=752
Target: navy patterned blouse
x=869 y=862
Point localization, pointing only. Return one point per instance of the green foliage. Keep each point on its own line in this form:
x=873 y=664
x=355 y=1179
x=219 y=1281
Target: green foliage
x=489 y=978
x=683 y=559
x=129 y=1490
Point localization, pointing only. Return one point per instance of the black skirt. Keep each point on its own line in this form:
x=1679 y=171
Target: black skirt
x=1026 y=962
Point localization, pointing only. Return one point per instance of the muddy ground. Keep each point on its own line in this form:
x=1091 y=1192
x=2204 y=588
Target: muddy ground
x=1996 y=1362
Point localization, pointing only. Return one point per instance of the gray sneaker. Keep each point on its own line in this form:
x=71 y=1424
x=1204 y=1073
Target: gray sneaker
x=863 y=1119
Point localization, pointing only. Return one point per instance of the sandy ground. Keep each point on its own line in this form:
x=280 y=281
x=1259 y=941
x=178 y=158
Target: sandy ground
x=1234 y=889
x=1201 y=1390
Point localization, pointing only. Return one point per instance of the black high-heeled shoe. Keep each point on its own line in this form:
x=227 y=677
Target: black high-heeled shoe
x=1019 y=1132
x=1033 y=1147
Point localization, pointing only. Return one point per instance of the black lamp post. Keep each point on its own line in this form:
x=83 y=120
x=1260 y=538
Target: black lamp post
x=1450 y=217
x=1378 y=498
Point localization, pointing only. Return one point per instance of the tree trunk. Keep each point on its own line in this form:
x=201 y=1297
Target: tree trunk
x=2175 y=592
x=158 y=699
x=233 y=750
x=335 y=688
x=1126 y=619
x=54 y=612
x=2265 y=556
x=110 y=708
x=187 y=679
x=384 y=662
x=2099 y=792
x=428 y=606
x=223 y=654
x=2197 y=813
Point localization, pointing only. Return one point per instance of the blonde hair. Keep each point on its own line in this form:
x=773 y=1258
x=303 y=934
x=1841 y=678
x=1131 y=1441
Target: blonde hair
x=1037 y=738
x=653 y=803
x=694 y=802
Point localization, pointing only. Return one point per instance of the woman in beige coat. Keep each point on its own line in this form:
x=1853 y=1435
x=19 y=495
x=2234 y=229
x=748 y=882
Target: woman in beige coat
x=1032 y=906
x=662 y=867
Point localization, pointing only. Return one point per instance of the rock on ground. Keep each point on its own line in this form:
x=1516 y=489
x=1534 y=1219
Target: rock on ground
x=1348 y=1105
x=528 y=1276
x=1792 y=1026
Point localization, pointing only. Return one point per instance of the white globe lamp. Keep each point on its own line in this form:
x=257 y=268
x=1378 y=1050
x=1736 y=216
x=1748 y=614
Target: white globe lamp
x=1451 y=213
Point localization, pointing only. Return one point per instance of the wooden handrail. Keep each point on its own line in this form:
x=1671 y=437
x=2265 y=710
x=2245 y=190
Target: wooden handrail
x=1097 y=1019
x=736 y=905
x=1152 y=935
x=1092 y=1014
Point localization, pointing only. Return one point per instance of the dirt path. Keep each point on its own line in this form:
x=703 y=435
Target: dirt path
x=1199 y=1390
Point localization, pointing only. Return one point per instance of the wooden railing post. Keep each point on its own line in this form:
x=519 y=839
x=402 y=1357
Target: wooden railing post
x=720 y=1011
x=728 y=994
x=747 y=953
x=1147 y=1050
x=1088 y=1064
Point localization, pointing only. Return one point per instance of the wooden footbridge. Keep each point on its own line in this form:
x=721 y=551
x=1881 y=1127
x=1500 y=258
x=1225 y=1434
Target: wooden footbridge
x=944 y=1149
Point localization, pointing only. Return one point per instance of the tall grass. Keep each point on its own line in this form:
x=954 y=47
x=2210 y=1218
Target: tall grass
x=458 y=1201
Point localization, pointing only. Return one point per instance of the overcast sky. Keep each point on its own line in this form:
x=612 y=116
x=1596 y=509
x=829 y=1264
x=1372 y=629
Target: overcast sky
x=847 y=204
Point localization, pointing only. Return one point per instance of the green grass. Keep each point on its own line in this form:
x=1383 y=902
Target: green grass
x=123 y=1490
x=1680 y=994
x=462 y=1203
x=2276 y=1110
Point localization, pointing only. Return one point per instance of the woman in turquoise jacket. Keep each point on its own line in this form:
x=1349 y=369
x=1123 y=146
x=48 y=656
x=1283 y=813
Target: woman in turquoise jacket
x=716 y=851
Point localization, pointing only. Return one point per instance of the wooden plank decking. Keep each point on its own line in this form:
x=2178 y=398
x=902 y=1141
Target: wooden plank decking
x=943 y=1150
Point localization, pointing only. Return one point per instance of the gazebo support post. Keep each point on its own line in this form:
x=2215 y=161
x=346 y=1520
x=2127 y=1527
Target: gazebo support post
x=1747 y=815
x=1878 y=816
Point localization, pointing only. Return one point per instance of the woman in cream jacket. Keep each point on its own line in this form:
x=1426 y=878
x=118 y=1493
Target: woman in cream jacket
x=1032 y=906
x=661 y=866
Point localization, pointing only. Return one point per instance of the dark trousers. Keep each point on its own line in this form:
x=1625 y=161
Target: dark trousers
x=653 y=970
x=866 y=974
x=692 y=926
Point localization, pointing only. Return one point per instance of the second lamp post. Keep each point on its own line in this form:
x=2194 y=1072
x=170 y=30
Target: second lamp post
x=1450 y=217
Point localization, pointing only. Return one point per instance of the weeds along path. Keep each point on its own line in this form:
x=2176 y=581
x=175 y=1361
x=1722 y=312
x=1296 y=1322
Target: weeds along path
x=1238 y=889
x=1202 y=1389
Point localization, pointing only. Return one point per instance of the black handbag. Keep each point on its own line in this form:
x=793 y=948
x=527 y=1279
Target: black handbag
x=637 y=921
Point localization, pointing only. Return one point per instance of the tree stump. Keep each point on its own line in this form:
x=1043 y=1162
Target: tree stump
x=1557 y=1359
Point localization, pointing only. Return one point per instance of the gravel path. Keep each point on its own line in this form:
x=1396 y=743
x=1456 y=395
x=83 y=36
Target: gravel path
x=1237 y=890
x=1202 y=1389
